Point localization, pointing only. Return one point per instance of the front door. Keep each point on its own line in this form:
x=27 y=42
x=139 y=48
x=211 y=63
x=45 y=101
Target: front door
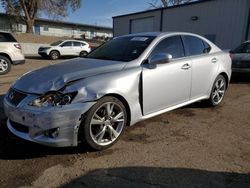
x=168 y=84
x=66 y=48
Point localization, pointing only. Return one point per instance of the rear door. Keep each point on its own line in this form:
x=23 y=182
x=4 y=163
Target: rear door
x=204 y=65
x=168 y=84
x=77 y=48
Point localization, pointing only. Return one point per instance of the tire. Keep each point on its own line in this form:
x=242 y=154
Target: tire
x=5 y=65
x=218 y=91
x=83 y=54
x=54 y=55
x=100 y=129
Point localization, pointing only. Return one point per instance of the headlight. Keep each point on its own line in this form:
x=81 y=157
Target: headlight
x=53 y=99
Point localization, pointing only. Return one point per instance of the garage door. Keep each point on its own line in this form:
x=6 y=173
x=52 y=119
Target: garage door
x=142 y=25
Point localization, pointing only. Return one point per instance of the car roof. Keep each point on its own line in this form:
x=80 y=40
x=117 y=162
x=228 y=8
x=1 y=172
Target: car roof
x=160 y=34
x=4 y=32
x=69 y=40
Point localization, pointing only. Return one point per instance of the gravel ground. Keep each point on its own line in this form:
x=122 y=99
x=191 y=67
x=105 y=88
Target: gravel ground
x=195 y=146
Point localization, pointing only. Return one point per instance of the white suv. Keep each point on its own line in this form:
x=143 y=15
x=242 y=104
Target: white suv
x=65 y=48
x=10 y=52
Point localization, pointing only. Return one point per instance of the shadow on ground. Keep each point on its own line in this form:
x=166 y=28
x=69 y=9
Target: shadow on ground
x=160 y=177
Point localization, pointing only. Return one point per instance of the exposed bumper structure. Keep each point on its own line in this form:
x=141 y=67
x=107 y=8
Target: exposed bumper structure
x=53 y=126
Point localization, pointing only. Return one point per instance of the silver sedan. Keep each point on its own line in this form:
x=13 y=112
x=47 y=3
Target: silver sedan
x=126 y=80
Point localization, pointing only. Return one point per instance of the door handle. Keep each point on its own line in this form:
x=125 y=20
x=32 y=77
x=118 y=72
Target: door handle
x=214 y=60
x=186 y=66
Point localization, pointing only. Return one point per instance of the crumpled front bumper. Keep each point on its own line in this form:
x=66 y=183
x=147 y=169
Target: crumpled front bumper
x=37 y=121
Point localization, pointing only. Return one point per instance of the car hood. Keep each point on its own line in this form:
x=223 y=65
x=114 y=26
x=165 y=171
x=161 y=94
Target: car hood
x=241 y=57
x=55 y=77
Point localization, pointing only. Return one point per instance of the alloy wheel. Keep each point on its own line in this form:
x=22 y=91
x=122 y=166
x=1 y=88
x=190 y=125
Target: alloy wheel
x=107 y=123
x=3 y=65
x=218 y=91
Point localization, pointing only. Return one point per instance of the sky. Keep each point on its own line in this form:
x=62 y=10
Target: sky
x=100 y=12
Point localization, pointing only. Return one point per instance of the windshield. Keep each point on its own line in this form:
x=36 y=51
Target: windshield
x=56 y=43
x=122 y=48
x=243 y=48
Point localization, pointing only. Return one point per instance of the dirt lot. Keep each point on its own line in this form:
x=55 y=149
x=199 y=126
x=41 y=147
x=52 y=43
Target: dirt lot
x=195 y=146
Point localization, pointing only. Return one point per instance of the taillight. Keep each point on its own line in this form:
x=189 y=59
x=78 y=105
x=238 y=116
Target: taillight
x=18 y=46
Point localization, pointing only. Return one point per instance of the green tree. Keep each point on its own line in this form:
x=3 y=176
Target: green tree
x=29 y=10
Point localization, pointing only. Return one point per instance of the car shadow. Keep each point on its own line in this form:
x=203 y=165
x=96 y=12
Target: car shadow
x=160 y=177
x=14 y=148
x=33 y=57
x=240 y=78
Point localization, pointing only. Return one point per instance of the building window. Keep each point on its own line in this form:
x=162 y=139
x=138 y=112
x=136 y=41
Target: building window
x=46 y=28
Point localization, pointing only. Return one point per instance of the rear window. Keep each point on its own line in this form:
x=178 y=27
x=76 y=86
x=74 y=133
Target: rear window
x=196 y=46
x=6 y=37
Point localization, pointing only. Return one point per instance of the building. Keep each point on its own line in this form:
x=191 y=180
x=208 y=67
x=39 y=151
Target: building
x=224 y=22
x=56 y=28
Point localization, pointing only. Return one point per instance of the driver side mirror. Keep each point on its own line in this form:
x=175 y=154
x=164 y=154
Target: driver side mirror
x=159 y=59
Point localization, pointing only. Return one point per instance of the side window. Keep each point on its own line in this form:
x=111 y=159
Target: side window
x=207 y=47
x=171 y=45
x=83 y=44
x=196 y=46
x=6 y=37
x=66 y=44
x=76 y=44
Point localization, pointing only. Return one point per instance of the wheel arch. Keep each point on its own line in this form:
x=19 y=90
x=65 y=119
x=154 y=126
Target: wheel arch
x=124 y=102
x=6 y=55
x=54 y=50
x=226 y=78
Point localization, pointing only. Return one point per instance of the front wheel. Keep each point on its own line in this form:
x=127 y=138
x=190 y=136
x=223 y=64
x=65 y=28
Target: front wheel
x=54 y=55
x=104 y=123
x=218 y=91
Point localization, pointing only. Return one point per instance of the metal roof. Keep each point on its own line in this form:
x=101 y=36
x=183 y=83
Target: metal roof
x=163 y=8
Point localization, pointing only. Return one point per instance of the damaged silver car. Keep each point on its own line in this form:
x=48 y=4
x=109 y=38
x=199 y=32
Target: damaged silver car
x=126 y=80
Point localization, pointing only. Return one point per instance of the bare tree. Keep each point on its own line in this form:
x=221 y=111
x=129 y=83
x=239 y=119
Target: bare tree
x=28 y=10
x=167 y=3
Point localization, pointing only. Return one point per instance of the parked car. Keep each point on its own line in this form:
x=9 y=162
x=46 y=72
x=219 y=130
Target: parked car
x=126 y=80
x=65 y=48
x=241 y=58
x=10 y=52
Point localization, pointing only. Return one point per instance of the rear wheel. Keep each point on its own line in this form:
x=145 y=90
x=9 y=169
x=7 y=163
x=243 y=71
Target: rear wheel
x=5 y=65
x=218 y=91
x=83 y=54
x=104 y=123
x=54 y=55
